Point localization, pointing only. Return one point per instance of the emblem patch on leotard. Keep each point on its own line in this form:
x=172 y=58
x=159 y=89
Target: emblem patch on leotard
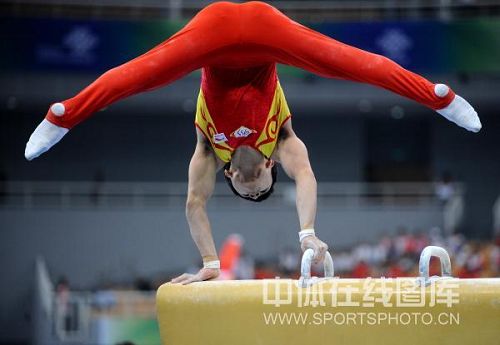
x=219 y=138
x=243 y=132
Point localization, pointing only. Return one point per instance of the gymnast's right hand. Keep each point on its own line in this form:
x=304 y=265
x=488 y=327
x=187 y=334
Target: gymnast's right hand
x=319 y=247
x=45 y=135
x=203 y=274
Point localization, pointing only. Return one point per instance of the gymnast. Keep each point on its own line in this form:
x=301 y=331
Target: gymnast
x=243 y=123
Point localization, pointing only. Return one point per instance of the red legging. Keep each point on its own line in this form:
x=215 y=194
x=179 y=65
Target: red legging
x=240 y=36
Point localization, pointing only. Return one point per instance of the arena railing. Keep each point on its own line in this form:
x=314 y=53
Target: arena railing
x=146 y=195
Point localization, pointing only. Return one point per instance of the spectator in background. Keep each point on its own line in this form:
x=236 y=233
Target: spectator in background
x=229 y=255
x=445 y=189
x=393 y=269
x=361 y=270
x=400 y=242
x=245 y=267
x=66 y=310
x=62 y=291
x=449 y=196
x=474 y=263
x=455 y=244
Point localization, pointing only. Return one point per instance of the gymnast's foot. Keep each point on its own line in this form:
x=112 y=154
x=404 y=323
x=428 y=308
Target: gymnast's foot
x=458 y=111
x=45 y=135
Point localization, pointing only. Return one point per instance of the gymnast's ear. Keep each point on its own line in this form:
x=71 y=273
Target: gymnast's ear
x=228 y=173
x=270 y=163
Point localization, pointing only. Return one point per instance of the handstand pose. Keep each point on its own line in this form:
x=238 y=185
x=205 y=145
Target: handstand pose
x=242 y=118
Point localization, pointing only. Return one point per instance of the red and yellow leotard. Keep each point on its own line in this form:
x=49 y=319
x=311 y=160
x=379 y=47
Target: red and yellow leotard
x=241 y=107
x=235 y=43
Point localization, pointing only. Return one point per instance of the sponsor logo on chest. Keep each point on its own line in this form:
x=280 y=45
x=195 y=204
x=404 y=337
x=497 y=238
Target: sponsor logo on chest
x=243 y=132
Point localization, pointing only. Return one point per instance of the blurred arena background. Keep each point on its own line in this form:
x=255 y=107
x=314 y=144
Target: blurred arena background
x=90 y=229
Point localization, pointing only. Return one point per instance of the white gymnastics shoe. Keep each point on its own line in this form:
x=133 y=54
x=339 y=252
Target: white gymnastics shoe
x=43 y=138
x=458 y=111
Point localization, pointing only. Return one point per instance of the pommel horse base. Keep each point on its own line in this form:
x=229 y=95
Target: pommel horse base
x=423 y=310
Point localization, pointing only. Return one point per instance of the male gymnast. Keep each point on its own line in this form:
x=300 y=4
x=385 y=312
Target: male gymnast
x=243 y=123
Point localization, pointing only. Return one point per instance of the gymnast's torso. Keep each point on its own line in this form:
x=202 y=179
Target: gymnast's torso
x=241 y=106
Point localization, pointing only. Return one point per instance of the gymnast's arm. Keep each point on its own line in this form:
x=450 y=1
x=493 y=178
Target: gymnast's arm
x=292 y=154
x=202 y=172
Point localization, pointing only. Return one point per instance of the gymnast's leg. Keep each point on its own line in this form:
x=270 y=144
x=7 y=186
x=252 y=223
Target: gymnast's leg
x=197 y=44
x=294 y=44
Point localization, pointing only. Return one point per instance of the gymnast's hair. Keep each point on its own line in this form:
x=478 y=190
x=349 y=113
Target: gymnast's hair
x=245 y=159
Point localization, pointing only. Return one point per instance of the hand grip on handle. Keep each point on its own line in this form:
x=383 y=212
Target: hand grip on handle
x=305 y=267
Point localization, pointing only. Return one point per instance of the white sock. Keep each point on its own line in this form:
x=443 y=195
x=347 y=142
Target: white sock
x=43 y=138
x=459 y=111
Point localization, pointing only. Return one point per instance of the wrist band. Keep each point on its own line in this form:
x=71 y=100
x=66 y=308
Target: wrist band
x=215 y=264
x=305 y=233
x=207 y=258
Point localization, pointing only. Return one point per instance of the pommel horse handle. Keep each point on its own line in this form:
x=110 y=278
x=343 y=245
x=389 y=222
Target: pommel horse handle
x=425 y=258
x=305 y=267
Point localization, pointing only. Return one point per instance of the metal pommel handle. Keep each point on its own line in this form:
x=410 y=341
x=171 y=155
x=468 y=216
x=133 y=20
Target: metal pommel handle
x=305 y=267
x=425 y=258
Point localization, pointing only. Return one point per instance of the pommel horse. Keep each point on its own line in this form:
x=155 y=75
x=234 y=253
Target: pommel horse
x=423 y=310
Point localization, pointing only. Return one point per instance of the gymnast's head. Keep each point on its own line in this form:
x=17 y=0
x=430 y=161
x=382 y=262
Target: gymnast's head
x=250 y=175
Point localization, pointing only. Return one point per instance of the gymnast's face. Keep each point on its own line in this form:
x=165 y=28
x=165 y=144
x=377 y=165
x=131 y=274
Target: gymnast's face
x=255 y=184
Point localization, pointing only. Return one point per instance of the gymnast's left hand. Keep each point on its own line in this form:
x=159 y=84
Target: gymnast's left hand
x=203 y=274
